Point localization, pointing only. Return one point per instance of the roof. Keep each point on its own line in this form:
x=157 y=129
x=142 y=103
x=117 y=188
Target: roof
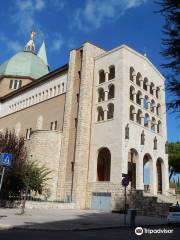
x=44 y=78
x=25 y=64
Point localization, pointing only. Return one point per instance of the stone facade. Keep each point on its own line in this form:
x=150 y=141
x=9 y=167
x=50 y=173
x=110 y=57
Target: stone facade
x=101 y=101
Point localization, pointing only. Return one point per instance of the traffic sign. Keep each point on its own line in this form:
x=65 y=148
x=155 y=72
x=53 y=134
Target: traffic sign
x=125 y=181
x=5 y=159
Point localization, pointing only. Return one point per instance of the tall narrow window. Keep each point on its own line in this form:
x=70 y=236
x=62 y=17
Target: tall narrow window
x=131 y=113
x=100 y=112
x=101 y=95
x=131 y=93
x=110 y=113
x=155 y=143
x=145 y=82
x=101 y=76
x=142 y=138
x=111 y=91
x=131 y=73
x=11 y=84
x=55 y=125
x=111 y=72
x=127 y=131
x=139 y=116
x=138 y=79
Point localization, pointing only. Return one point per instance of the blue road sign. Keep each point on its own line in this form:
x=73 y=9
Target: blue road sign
x=5 y=159
x=125 y=181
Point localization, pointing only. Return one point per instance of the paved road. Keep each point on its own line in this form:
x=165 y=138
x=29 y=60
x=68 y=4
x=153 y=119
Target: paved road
x=53 y=219
x=108 y=234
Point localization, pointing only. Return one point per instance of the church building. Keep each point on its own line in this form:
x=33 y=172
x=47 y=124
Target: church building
x=97 y=117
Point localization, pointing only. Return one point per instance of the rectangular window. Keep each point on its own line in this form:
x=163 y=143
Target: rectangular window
x=11 y=84
x=51 y=127
x=55 y=125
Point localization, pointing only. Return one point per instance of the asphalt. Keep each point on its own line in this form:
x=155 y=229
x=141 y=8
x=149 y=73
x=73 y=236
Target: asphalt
x=69 y=220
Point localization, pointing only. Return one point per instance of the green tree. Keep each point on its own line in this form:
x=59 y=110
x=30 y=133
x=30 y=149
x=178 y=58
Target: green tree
x=23 y=175
x=170 y=9
x=174 y=158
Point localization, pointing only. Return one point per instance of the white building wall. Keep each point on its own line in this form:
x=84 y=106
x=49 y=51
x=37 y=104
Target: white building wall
x=43 y=91
x=111 y=133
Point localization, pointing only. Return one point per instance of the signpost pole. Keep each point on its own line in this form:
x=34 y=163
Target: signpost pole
x=125 y=200
x=2 y=175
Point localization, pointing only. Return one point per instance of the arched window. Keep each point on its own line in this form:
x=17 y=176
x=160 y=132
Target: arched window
x=158 y=109
x=100 y=112
x=145 y=82
x=138 y=78
x=101 y=76
x=103 y=165
x=101 y=95
x=146 y=102
x=131 y=73
x=132 y=112
x=139 y=116
x=131 y=93
x=138 y=97
x=142 y=138
x=153 y=123
x=157 y=92
x=110 y=113
x=111 y=72
x=151 y=88
x=152 y=105
x=146 y=120
x=159 y=127
x=111 y=91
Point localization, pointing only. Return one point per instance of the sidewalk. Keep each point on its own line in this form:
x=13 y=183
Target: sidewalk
x=58 y=219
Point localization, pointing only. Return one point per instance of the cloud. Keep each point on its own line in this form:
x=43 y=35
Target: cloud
x=57 y=42
x=95 y=12
x=24 y=14
x=14 y=46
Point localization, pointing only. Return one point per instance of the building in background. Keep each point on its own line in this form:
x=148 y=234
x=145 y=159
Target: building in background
x=99 y=116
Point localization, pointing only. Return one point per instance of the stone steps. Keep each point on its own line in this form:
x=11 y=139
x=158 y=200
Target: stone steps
x=147 y=205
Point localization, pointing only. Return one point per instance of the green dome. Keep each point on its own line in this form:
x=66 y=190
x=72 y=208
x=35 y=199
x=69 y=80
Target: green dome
x=25 y=64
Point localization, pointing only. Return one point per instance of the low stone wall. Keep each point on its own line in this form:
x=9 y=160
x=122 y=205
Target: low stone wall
x=49 y=205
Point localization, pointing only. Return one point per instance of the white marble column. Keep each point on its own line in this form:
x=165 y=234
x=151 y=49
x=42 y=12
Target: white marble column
x=153 y=177
x=106 y=77
x=139 y=174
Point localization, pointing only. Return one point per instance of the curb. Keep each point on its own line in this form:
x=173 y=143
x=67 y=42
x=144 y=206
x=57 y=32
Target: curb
x=21 y=228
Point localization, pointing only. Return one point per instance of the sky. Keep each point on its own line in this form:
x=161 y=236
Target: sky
x=67 y=24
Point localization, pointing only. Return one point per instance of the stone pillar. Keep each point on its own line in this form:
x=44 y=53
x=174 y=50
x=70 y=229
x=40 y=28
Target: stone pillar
x=148 y=105
x=142 y=101
x=134 y=77
x=165 y=178
x=139 y=174
x=134 y=97
x=148 y=87
x=153 y=174
x=105 y=114
x=154 y=91
x=106 y=77
x=106 y=95
x=141 y=83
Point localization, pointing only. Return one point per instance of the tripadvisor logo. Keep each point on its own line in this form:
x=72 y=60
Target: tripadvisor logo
x=139 y=231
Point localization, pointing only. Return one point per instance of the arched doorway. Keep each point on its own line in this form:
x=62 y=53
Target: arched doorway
x=159 y=175
x=147 y=172
x=132 y=161
x=103 y=165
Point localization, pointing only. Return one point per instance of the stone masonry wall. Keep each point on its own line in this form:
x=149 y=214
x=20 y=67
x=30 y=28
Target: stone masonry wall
x=44 y=147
